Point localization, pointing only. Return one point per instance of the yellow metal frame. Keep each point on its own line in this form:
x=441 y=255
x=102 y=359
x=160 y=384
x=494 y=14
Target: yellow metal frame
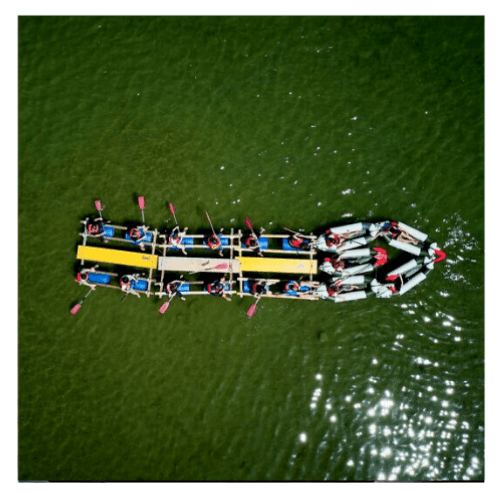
x=268 y=265
x=119 y=257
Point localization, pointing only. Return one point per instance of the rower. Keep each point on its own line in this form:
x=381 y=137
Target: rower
x=138 y=235
x=333 y=239
x=172 y=289
x=175 y=238
x=258 y=288
x=126 y=284
x=82 y=277
x=95 y=228
x=393 y=231
x=214 y=242
x=217 y=288
x=340 y=287
x=251 y=240
x=292 y=286
x=396 y=286
x=299 y=243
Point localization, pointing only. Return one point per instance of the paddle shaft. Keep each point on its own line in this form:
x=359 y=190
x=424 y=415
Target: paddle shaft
x=211 y=225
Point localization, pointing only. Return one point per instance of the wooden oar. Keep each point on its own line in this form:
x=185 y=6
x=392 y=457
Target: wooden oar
x=296 y=232
x=252 y=309
x=249 y=225
x=211 y=225
x=172 y=209
x=165 y=306
x=142 y=206
x=98 y=206
x=76 y=308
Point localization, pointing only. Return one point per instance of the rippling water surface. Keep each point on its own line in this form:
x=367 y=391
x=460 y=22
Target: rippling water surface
x=295 y=122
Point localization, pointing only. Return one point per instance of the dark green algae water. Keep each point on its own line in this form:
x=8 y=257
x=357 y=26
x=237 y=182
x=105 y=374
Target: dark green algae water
x=294 y=121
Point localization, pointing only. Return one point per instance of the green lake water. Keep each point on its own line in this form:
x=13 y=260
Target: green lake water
x=291 y=121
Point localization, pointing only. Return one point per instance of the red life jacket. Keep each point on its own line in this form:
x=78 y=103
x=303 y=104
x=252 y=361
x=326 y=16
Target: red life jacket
x=213 y=242
x=295 y=243
x=135 y=233
x=215 y=288
x=331 y=290
x=251 y=242
x=126 y=285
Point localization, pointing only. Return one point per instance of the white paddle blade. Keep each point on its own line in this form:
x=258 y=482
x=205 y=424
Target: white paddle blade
x=75 y=309
x=164 y=307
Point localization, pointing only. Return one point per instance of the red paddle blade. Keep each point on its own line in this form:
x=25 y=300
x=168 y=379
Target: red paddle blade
x=248 y=223
x=440 y=255
x=98 y=206
x=142 y=203
x=164 y=307
x=172 y=209
x=252 y=309
x=75 y=309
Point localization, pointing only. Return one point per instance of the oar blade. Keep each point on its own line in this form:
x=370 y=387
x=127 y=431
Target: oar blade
x=98 y=206
x=75 y=309
x=172 y=209
x=252 y=310
x=164 y=307
x=248 y=223
x=142 y=203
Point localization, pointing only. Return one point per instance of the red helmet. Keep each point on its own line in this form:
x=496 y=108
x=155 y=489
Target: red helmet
x=327 y=259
